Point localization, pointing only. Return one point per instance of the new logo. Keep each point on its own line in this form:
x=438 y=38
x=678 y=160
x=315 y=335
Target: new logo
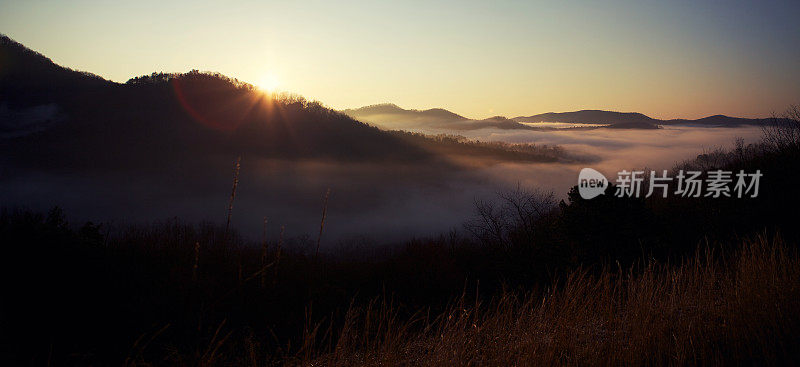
x=591 y=183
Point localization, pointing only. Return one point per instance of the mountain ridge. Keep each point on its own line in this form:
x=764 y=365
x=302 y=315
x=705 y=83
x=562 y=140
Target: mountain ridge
x=614 y=117
x=389 y=115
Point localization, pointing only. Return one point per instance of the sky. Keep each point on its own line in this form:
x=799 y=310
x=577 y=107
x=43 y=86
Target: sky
x=667 y=59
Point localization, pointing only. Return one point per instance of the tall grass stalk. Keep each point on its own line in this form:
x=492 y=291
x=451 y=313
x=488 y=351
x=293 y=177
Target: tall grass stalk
x=236 y=168
x=196 y=264
x=264 y=254
x=278 y=254
x=322 y=223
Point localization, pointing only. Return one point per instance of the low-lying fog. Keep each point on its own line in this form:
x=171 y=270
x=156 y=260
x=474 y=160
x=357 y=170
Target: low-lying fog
x=368 y=201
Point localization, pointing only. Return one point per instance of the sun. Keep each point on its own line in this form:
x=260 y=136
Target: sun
x=268 y=83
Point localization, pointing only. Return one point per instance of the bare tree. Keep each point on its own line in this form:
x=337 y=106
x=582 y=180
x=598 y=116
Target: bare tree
x=512 y=216
x=783 y=133
x=526 y=207
x=489 y=224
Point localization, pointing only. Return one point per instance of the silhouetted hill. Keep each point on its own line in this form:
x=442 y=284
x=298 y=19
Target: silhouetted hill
x=588 y=117
x=716 y=120
x=192 y=117
x=54 y=117
x=27 y=75
x=30 y=83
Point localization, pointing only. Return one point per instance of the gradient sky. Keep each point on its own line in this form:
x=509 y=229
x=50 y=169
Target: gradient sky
x=663 y=58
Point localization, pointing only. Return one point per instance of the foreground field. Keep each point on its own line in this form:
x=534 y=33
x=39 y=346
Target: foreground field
x=710 y=309
x=153 y=297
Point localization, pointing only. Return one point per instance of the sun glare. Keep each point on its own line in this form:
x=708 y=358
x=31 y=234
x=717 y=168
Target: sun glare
x=268 y=83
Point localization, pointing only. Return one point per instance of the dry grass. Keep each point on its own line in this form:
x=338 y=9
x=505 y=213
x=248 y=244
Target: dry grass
x=322 y=223
x=173 y=295
x=738 y=308
x=237 y=166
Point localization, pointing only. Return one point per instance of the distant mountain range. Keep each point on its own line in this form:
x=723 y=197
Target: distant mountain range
x=393 y=117
x=390 y=116
x=633 y=119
